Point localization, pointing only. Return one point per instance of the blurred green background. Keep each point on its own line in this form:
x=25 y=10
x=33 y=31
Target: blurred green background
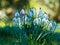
x=8 y=7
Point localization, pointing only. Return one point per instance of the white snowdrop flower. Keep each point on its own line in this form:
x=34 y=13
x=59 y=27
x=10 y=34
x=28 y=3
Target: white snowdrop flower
x=40 y=20
x=22 y=14
x=50 y=27
x=47 y=21
x=34 y=11
x=15 y=19
x=19 y=21
x=36 y=21
x=39 y=11
x=54 y=23
x=50 y=24
x=22 y=11
x=26 y=18
x=30 y=12
x=45 y=16
x=17 y=13
x=44 y=20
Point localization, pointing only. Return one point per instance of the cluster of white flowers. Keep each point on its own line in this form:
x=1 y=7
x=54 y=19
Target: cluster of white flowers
x=42 y=18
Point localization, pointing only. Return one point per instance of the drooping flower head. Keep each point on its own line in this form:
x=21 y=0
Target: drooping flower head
x=36 y=21
x=22 y=11
x=39 y=11
x=17 y=13
x=30 y=12
x=54 y=24
x=22 y=14
x=33 y=11
x=45 y=15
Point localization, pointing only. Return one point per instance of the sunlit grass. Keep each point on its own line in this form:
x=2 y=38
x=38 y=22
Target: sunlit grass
x=57 y=30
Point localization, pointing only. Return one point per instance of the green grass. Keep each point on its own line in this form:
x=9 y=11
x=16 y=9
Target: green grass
x=29 y=35
x=57 y=30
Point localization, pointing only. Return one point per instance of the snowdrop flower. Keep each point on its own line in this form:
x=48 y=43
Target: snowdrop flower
x=54 y=25
x=29 y=19
x=40 y=20
x=22 y=14
x=22 y=11
x=15 y=21
x=47 y=21
x=19 y=21
x=45 y=16
x=36 y=21
x=40 y=13
x=30 y=12
x=17 y=13
x=34 y=11
x=26 y=18
x=50 y=26
x=44 y=20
